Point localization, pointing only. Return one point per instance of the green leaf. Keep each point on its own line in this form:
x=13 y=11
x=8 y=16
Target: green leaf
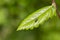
x=37 y=18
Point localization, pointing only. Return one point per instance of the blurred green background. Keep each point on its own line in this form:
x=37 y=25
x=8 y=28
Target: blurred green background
x=12 y=12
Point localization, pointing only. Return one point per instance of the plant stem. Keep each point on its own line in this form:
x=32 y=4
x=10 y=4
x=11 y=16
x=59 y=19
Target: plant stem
x=53 y=3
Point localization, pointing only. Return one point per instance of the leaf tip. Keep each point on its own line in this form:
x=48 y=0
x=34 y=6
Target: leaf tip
x=17 y=30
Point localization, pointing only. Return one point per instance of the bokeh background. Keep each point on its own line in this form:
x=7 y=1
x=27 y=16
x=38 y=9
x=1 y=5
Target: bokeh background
x=12 y=12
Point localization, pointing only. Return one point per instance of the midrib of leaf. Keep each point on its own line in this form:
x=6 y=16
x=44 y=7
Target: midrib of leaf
x=30 y=22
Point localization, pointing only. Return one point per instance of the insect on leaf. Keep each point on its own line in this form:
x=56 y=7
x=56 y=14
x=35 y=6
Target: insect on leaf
x=37 y=18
